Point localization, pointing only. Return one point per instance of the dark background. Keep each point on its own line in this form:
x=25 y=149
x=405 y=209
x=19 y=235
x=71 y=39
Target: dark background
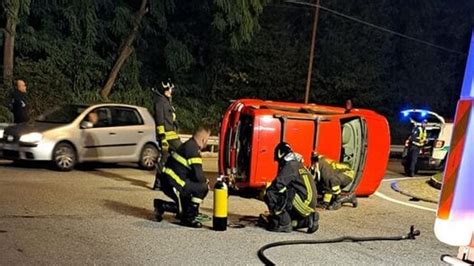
x=65 y=49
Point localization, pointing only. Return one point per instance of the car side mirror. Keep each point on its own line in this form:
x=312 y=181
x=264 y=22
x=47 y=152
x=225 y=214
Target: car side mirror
x=86 y=124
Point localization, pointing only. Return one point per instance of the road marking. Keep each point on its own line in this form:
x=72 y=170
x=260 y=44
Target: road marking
x=383 y=196
x=403 y=203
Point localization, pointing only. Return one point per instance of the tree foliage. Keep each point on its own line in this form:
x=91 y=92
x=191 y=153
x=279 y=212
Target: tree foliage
x=220 y=50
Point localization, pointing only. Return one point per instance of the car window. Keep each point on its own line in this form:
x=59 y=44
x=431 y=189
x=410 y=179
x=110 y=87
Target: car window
x=103 y=117
x=123 y=116
x=64 y=114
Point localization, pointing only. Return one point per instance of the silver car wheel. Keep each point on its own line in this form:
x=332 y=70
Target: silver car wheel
x=64 y=157
x=149 y=156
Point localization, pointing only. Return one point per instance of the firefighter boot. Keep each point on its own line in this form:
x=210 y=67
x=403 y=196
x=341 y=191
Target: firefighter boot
x=313 y=223
x=189 y=215
x=280 y=223
x=162 y=206
x=349 y=198
x=335 y=204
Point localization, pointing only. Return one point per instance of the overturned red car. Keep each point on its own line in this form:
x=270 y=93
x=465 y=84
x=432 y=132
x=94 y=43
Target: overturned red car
x=251 y=129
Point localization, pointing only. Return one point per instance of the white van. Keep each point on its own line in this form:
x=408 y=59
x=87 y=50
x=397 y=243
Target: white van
x=434 y=152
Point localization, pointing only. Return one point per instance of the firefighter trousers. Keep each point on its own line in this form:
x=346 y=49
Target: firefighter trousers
x=187 y=198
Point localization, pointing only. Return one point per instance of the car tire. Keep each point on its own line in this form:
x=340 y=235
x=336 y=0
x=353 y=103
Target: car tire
x=64 y=157
x=148 y=157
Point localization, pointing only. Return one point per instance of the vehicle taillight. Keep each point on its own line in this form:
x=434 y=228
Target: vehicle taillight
x=439 y=143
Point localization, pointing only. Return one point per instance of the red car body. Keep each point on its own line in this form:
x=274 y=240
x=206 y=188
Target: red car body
x=252 y=128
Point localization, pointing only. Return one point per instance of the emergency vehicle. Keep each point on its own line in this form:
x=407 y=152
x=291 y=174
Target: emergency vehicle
x=252 y=128
x=438 y=134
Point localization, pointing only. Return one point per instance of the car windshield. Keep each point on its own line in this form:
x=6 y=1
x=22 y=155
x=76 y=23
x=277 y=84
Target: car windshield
x=62 y=114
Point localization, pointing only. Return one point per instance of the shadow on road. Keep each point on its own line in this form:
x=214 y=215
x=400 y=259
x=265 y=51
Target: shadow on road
x=118 y=177
x=129 y=210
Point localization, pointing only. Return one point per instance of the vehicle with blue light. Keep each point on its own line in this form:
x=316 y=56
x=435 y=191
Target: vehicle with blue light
x=433 y=154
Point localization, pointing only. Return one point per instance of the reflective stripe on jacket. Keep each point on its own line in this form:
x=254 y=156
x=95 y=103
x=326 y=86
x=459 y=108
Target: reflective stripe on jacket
x=418 y=136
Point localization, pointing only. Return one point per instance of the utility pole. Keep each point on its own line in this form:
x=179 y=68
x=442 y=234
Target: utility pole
x=311 y=53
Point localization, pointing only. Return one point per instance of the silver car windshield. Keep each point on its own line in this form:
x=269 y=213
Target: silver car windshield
x=64 y=114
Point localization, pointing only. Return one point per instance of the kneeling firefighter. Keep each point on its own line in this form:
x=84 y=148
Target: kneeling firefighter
x=183 y=181
x=330 y=176
x=292 y=196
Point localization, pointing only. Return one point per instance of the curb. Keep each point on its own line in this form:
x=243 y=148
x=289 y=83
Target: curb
x=434 y=182
x=395 y=187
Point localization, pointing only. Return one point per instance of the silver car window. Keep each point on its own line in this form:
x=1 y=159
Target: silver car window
x=123 y=116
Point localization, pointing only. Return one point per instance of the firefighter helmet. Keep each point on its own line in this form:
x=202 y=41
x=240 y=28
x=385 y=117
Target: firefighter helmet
x=281 y=150
x=168 y=85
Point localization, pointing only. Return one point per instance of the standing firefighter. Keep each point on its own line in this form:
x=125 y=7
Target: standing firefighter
x=417 y=141
x=291 y=198
x=330 y=177
x=183 y=181
x=166 y=125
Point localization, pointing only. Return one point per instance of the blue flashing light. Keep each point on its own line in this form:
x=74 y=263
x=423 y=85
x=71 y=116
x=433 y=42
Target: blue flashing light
x=424 y=113
x=405 y=113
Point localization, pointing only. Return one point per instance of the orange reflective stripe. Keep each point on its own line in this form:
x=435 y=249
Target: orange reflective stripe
x=455 y=154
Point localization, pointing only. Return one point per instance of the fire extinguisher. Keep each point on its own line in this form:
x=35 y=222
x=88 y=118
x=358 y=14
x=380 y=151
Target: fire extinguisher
x=219 y=219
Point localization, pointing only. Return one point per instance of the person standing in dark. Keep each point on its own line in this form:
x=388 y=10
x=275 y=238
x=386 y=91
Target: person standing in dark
x=417 y=141
x=18 y=105
x=166 y=125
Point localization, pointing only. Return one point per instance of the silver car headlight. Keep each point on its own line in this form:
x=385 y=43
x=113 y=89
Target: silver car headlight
x=34 y=137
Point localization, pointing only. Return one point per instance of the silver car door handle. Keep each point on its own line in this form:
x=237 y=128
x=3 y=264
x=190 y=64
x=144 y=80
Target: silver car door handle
x=112 y=133
x=140 y=132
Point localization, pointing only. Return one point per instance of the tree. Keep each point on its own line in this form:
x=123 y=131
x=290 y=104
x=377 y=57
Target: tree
x=126 y=49
x=13 y=9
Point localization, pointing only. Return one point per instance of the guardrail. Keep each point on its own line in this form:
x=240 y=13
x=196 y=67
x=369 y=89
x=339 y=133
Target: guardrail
x=212 y=143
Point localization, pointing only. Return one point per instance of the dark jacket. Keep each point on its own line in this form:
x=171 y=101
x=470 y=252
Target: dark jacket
x=293 y=176
x=418 y=136
x=19 y=107
x=165 y=118
x=186 y=162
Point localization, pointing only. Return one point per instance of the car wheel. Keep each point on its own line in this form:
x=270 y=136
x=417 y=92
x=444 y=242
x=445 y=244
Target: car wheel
x=64 y=157
x=148 y=157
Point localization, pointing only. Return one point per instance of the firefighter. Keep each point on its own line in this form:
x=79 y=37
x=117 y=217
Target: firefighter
x=183 y=180
x=330 y=177
x=291 y=198
x=166 y=125
x=417 y=141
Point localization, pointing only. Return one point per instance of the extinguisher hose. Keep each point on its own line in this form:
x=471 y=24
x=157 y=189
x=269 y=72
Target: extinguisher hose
x=411 y=235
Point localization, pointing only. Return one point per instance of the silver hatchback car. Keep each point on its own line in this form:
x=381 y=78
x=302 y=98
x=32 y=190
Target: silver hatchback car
x=73 y=133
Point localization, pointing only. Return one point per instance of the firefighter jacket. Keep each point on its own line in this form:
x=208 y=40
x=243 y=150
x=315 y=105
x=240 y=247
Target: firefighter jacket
x=418 y=136
x=185 y=165
x=293 y=177
x=165 y=118
x=19 y=107
x=333 y=176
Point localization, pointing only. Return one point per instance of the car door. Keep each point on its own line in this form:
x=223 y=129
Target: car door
x=129 y=129
x=99 y=140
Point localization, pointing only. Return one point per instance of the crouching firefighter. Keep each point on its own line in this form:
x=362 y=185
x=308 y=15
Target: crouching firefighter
x=184 y=182
x=330 y=176
x=291 y=198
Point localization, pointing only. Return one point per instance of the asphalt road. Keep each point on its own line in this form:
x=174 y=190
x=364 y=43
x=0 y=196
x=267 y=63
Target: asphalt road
x=103 y=215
